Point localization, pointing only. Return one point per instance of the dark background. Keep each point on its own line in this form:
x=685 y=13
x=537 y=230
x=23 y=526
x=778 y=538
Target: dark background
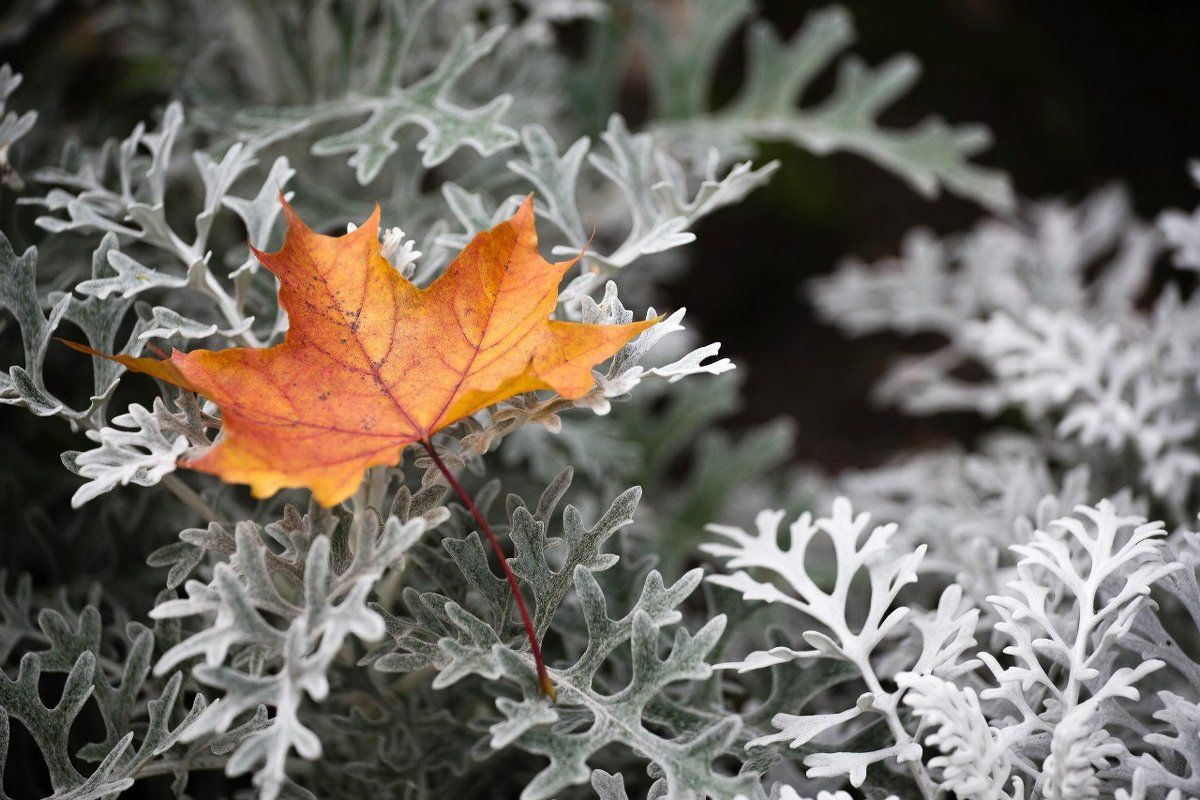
x=1076 y=94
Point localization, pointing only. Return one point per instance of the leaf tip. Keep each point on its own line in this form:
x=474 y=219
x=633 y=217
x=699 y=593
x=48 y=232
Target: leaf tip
x=82 y=348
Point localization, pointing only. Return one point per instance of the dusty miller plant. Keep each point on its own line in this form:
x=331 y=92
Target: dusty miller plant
x=1009 y=624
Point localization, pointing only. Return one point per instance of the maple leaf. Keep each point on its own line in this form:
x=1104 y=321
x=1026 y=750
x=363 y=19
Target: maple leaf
x=372 y=363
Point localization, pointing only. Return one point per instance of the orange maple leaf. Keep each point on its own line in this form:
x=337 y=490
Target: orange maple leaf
x=372 y=363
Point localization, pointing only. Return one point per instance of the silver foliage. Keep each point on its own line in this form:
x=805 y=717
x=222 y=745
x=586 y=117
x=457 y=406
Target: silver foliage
x=136 y=452
x=287 y=661
x=13 y=126
x=931 y=157
x=840 y=639
x=357 y=650
x=1037 y=725
x=124 y=694
x=643 y=180
x=1051 y=305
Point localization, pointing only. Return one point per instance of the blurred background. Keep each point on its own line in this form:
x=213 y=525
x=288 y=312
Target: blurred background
x=1077 y=95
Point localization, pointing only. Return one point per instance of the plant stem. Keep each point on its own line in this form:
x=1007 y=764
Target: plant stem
x=190 y=498
x=544 y=683
x=887 y=709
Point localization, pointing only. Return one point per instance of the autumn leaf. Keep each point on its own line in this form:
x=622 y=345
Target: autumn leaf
x=372 y=363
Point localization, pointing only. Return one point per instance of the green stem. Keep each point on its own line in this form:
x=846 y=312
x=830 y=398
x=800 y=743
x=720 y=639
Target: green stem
x=544 y=683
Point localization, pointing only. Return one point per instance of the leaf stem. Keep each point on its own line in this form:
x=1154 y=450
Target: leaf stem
x=544 y=683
